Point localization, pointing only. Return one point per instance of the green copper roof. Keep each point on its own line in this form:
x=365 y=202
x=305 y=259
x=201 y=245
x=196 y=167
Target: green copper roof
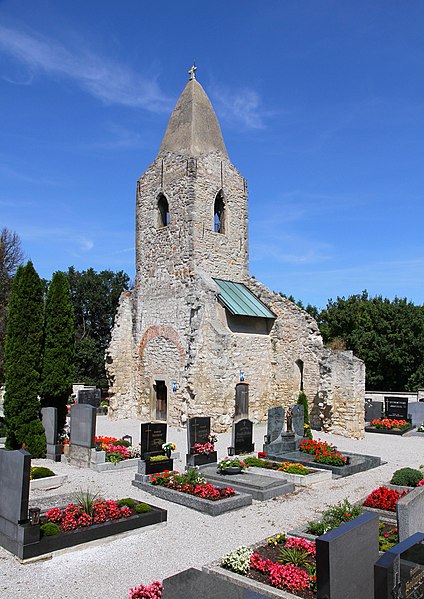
x=239 y=300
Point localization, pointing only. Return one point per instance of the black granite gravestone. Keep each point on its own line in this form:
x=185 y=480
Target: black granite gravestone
x=399 y=573
x=345 y=559
x=242 y=437
x=89 y=396
x=83 y=425
x=373 y=410
x=15 y=469
x=49 y=419
x=275 y=423
x=153 y=436
x=198 y=430
x=396 y=407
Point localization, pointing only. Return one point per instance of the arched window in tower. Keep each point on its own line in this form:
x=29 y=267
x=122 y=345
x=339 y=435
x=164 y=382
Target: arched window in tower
x=299 y=364
x=219 y=213
x=163 y=208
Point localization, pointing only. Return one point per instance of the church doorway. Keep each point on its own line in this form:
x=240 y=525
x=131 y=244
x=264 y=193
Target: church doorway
x=161 y=393
x=242 y=401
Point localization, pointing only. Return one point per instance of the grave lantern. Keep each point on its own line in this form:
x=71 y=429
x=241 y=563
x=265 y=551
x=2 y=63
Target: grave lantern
x=34 y=515
x=127 y=438
x=266 y=439
x=230 y=451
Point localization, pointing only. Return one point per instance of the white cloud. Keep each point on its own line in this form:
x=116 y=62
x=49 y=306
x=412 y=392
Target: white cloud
x=242 y=107
x=109 y=81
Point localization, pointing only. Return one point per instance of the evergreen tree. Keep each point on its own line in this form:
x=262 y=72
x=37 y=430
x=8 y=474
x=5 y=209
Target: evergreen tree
x=58 y=355
x=303 y=401
x=23 y=346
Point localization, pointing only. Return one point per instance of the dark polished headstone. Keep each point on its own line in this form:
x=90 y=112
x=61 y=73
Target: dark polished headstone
x=15 y=469
x=373 y=410
x=345 y=559
x=83 y=425
x=399 y=573
x=198 y=430
x=242 y=437
x=91 y=397
x=153 y=436
x=396 y=407
x=275 y=423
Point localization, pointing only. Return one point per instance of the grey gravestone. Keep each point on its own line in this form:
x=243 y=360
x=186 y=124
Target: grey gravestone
x=345 y=559
x=92 y=397
x=416 y=413
x=373 y=410
x=198 y=430
x=83 y=425
x=396 y=407
x=15 y=469
x=410 y=513
x=399 y=573
x=242 y=437
x=153 y=435
x=298 y=420
x=275 y=423
x=49 y=419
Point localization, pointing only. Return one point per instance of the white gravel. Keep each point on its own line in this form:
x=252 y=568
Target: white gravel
x=189 y=539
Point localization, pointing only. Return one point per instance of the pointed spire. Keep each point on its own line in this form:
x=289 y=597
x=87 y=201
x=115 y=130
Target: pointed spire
x=193 y=128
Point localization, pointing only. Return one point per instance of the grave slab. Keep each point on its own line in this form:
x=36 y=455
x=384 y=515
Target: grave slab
x=308 y=480
x=358 y=462
x=258 y=486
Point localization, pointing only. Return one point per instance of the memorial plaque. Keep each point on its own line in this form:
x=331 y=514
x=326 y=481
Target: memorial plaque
x=275 y=423
x=83 y=425
x=242 y=438
x=198 y=430
x=396 y=407
x=399 y=573
x=92 y=397
x=153 y=436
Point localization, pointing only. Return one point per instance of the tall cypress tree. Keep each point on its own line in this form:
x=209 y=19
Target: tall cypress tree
x=23 y=346
x=58 y=356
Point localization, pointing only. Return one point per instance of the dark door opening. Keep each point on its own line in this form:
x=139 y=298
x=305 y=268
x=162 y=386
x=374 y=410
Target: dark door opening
x=161 y=400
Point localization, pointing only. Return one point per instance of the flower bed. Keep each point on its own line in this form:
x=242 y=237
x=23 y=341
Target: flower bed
x=192 y=483
x=292 y=471
x=389 y=426
x=323 y=452
x=116 y=450
x=287 y=564
x=384 y=498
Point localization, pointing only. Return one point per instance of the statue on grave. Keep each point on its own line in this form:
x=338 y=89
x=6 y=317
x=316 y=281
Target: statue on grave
x=289 y=420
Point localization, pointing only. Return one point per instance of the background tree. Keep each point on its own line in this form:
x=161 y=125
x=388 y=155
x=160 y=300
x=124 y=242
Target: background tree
x=95 y=299
x=23 y=346
x=58 y=352
x=11 y=256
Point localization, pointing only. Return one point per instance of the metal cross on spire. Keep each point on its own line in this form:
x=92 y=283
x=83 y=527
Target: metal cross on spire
x=192 y=72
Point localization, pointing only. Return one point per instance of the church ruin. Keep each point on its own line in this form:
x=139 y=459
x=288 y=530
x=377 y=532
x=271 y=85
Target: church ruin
x=198 y=335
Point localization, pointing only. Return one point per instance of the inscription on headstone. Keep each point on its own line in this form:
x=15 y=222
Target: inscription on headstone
x=399 y=573
x=83 y=425
x=153 y=435
x=275 y=423
x=396 y=407
x=198 y=430
x=89 y=396
x=242 y=438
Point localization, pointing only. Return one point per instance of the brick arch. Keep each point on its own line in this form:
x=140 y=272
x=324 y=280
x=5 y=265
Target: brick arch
x=161 y=331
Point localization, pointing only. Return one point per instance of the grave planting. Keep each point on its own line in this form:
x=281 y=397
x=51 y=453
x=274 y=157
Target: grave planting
x=323 y=452
x=384 y=499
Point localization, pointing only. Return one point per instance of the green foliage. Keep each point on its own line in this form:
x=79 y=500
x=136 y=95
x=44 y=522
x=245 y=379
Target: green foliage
x=291 y=555
x=126 y=501
x=114 y=457
x=277 y=539
x=23 y=346
x=388 y=536
x=40 y=472
x=407 y=477
x=121 y=442
x=387 y=335
x=58 y=356
x=85 y=499
x=95 y=299
x=142 y=508
x=302 y=400
x=158 y=458
x=336 y=514
x=49 y=529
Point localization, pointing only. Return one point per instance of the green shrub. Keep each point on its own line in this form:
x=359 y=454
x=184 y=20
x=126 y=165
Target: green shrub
x=407 y=477
x=303 y=401
x=114 y=457
x=126 y=501
x=122 y=443
x=40 y=472
x=49 y=529
x=141 y=508
x=158 y=458
x=334 y=516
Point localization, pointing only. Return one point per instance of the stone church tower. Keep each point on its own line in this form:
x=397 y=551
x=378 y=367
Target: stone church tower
x=198 y=335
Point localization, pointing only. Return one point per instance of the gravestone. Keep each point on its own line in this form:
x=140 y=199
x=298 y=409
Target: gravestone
x=399 y=573
x=396 y=408
x=275 y=425
x=410 y=513
x=242 y=436
x=49 y=419
x=416 y=412
x=198 y=431
x=83 y=425
x=373 y=410
x=91 y=397
x=345 y=559
x=298 y=420
x=153 y=436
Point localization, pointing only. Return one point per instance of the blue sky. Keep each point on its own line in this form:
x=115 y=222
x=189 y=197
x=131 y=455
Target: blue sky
x=321 y=105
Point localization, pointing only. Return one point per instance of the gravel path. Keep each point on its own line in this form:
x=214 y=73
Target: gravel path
x=189 y=539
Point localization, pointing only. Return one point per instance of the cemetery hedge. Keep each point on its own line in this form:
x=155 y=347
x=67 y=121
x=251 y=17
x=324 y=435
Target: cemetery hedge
x=23 y=346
